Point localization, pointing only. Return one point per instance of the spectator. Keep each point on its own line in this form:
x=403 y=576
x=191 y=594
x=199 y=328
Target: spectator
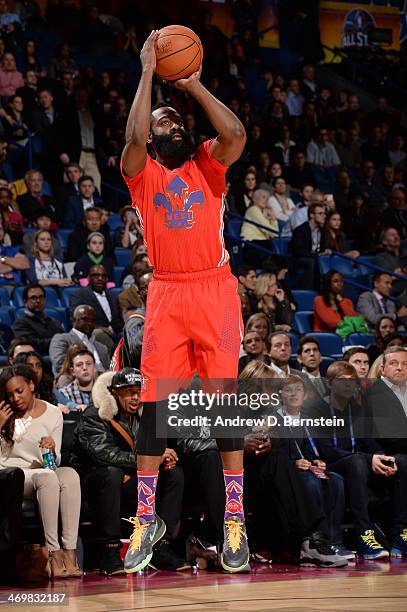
x=11 y=263
x=321 y=152
x=307 y=243
x=358 y=357
x=308 y=84
x=349 y=149
x=246 y=276
x=396 y=214
x=77 y=240
x=83 y=326
x=387 y=180
x=139 y=262
x=284 y=147
x=56 y=491
x=372 y=305
x=17 y=346
x=136 y=295
x=356 y=219
x=390 y=257
x=10 y=78
x=273 y=302
x=35 y=201
x=374 y=150
x=385 y=327
x=281 y=206
x=29 y=92
x=34 y=324
x=11 y=219
x=302 y=450
x=355 y=456
x=72 y=173
x=127 y=236
x=45 y=269
x=254 y=348
x=369 y=185
x=300 y=214
x=105 y=456
x=30 y=59
x=78 y=392
x=15 y=125
x=335 y=239
x=87 y=197
x=331 y=307
x=343 y=193
x=128 y=350
x=260 y=323
x=62 y=63
x=259 y=213
x=280 y=353
x=309 y=357
x=44 y=381
x=397 y=152
x=96 y=294
x=295 y=100
x=44 y=223
x=94 y=257
x=299 y=173
x=243 y=198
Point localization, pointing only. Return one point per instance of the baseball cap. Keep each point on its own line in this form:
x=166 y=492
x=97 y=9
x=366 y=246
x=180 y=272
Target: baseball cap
x=128 y=377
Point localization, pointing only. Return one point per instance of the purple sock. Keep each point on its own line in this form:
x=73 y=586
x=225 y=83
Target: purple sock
x=234 y=493
x=147 y=484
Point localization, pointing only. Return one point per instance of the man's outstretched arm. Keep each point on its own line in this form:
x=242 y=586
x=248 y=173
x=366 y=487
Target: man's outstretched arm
x=138 y=124
x=231 y=139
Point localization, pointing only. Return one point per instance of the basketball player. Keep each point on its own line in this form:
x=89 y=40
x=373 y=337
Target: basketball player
x=193 y=320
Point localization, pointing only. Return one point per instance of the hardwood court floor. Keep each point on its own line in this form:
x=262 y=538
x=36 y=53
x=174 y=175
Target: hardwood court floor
x=367 y=587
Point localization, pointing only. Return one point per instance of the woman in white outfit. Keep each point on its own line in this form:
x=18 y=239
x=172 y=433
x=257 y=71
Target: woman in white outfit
x=282 y=206
x=27 y=425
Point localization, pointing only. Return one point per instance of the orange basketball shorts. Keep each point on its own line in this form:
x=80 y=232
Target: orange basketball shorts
x=193 y=325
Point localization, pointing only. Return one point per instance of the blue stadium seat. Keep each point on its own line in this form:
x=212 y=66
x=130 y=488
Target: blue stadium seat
x=232 y=227
x=303 y=321
x=359 y=339
x=369 y=259
x=123 y=256
x=345 y=266
x=118 y=271
x=65 y=294
x=331 y=344
x=7 y=315
x=4 y=297
x=56 y=313
x=294 y=343
x=62 y=236
x=324 y=264
x=304 y=298
x=116 y=291
x=51 y=297
x=325 y=363
x=114 y=221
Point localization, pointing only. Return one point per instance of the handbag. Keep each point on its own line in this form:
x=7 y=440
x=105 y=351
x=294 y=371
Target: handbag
x=31 y=563
x=351 y=325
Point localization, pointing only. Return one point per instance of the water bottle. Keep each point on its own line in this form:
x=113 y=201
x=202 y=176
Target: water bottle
x=48 y=459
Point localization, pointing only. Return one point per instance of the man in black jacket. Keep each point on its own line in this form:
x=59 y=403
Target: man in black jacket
x=306 y=244
x=105 y=456
x=104 y=303
x=34 y=324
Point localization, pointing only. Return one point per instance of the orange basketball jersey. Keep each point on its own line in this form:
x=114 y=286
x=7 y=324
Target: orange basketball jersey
x=181 y=212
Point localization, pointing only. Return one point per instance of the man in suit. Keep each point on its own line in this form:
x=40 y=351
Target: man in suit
x=108 y=320
x=387 y=404
x=374 y=304
x=87 y=197
x=77 y=240
x=309 y=357
x=306 y=244
x=84 y=323
x=34 y=201
x=43 y=123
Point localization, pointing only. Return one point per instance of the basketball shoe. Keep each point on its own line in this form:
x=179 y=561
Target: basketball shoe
x=399 y=548
x=145 y=535
x=235 y=552
x=369 y=548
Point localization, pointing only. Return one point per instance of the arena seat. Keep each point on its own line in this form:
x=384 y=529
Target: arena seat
x=62 y=236
x=56 y=313
x=303 y=321
x=232 y=227
x=304 y=298
x=294 y=343
x=66 y=292
x=7 y=315
x=4 y=297
x=359 y=339
x=330 y=344
x=114 y=221
x=51 y=297
x=118 y=271
x=123 y=256
x=325 y=363
x=369 y=259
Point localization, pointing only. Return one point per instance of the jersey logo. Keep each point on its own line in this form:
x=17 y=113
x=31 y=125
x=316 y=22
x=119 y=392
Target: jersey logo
x=178 y=202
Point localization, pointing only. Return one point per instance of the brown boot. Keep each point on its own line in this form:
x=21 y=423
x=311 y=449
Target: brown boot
x=71 y=564
x=57 y=565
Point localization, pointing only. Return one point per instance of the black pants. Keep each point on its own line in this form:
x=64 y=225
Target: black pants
x=111 y=499
x=284 y=513
x=205 y=488
x=356 y=469
x=11 y=519
x=254 y=257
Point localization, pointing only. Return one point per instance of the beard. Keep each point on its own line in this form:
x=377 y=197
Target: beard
x=167 y=148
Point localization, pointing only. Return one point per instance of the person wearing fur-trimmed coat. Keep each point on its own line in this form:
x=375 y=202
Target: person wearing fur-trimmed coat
x=105 y=455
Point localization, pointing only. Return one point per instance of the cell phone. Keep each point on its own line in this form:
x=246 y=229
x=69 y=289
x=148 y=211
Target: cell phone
x=131 y=213
x=389 y=463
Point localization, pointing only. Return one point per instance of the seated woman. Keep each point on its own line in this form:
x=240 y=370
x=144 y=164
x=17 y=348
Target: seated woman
x=282 y=206
x=29 y=425
x=11 y=218
x=385 y=327
x=335 y=239
x=260 y=236
x=129 y=234
x=273 y=302
x=44 y=268
x=331 y=307
x=260 y=323
x=95 y=256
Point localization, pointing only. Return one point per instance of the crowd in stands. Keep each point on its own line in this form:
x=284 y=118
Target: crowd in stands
x=322 y=182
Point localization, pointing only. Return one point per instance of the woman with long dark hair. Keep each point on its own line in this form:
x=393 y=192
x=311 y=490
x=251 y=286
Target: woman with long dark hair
x=384 y=328
x=335 y=239
x=29 y=428
x=43 y=377
x=331 y=307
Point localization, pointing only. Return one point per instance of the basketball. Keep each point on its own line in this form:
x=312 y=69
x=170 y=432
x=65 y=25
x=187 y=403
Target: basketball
x=179 y=53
